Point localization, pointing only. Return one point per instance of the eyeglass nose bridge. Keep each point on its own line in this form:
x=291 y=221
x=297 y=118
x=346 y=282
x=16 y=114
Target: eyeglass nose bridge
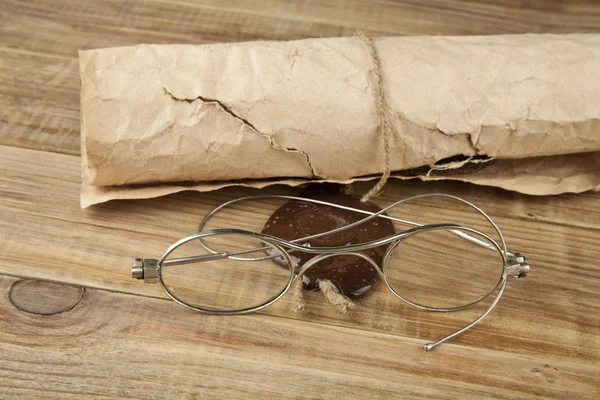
x=315 y=260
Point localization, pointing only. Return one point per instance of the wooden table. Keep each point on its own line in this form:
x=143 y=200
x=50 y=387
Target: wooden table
x=74 y=325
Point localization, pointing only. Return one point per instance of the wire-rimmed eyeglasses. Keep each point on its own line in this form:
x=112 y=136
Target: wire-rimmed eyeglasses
x=236 y=289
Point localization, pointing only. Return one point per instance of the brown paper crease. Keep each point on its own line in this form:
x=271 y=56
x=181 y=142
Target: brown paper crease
x=156 y=117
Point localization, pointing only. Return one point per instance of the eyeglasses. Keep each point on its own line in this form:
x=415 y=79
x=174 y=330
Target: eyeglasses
x=236 y=271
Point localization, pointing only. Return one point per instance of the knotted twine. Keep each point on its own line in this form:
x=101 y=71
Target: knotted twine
x=382 y=106
x=341 y=302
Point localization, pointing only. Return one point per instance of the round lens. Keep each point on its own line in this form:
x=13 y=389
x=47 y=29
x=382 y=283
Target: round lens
x=443 y=268
x=252 y=274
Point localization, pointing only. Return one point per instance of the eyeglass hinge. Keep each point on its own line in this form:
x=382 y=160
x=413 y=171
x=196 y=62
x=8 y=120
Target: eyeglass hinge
x=146 y=269
x=516 y=267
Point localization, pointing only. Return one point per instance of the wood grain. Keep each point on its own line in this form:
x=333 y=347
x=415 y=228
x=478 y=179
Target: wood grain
x=39 y=40
x=122 y=346
x=94 y=248
x=123 y=339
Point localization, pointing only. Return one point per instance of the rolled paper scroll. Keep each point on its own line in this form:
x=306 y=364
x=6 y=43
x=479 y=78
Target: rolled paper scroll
x=520 y=112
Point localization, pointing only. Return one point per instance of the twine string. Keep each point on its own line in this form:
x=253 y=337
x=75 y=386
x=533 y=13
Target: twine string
x=331 y=294
x=382 y=106
x=341 y=302
x=299 y=303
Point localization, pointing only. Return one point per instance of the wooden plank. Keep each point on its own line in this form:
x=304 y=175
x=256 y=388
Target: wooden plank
x=39 y=40
x=39 y=101
x=541 y=341
x=109 y=22
x=122 y=346
x=44 y=234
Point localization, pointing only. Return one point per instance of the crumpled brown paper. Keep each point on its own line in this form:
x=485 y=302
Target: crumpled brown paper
x=158 y=119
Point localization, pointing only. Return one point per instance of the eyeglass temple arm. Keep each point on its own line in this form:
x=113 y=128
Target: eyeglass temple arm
x=370 y=214
x=431 y=346
x=147 y=268
x=516 y=267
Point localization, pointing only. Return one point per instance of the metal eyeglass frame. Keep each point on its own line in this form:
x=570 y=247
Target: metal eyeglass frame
x=512 y=264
